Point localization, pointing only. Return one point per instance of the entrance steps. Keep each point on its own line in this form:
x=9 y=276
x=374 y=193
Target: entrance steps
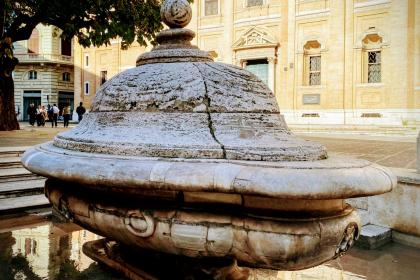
x=371 y=130
x=20 y=190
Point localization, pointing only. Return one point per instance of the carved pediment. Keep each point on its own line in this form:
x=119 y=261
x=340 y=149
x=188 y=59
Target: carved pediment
x=255 y=37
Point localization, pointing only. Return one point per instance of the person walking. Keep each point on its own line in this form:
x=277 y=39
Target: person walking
x=80 y=111
x=55 y=115
x=31 y=112
x=66 y=115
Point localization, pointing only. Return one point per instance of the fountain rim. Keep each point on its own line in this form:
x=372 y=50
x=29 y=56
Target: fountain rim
x=337 y=177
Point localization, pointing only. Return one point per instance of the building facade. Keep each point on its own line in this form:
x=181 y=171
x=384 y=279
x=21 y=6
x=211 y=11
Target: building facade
x=350 y=62
x=45 y=73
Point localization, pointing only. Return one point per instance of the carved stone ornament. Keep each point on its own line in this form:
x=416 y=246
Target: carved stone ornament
x=255 y=37
x=185 y=156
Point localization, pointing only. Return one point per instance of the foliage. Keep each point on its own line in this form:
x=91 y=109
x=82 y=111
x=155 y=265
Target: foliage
x=93 y=22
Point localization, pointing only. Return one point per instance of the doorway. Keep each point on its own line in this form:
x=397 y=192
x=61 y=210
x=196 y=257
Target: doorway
x=66 y=98
x=29 y=97
x=259 y=67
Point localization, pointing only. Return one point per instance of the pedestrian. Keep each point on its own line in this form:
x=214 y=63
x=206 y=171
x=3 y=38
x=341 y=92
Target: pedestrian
x=44 y=115
x=50 y=114
x=38 y=116
x=80 y=111
x=55 y=115
x=66 y=115
x=31 y=112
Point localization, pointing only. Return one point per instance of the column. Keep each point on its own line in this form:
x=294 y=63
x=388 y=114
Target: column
x=271 y=72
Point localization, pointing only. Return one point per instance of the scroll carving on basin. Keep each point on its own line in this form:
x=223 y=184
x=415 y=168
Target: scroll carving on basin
x=186 y=156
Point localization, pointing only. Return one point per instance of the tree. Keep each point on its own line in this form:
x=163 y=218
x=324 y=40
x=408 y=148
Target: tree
x=92 y=22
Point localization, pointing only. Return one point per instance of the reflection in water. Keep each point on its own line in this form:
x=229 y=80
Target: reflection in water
x=50 y=250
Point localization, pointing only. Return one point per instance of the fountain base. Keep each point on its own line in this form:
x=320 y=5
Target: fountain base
x=148 y=265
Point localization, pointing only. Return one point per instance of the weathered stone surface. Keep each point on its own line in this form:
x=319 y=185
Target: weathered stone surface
x=372 y=237
x=335 y=177
x=291 y=243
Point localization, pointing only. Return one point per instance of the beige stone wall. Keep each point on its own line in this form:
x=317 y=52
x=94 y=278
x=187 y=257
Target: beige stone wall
x=110 y=59
x=285 y=32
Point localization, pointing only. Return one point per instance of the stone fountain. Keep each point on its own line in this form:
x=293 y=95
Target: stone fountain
x=192 y=158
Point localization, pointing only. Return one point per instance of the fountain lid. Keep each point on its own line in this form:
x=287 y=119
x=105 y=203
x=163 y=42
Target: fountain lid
x=179 y=103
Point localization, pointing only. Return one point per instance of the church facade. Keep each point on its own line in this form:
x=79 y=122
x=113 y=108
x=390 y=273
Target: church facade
x=353 y=62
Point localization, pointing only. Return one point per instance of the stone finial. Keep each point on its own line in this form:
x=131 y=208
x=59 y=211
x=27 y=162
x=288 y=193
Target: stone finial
x=176 y=13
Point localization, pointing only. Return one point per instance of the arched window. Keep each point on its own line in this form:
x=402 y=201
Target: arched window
x=65 y=46
x=32 y=75
x=372 y=58
x=33 y=42
x=312 y=63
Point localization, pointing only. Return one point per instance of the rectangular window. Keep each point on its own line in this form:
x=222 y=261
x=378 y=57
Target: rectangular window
x=33 y=75
x=103 y=77
x=87 y=88
x=66 y=76
x=86 y=60
x=374 y=67
x=211 y=7
x=253 y=3
x=314 y=70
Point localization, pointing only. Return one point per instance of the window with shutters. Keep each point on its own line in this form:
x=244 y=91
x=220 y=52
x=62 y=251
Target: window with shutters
x=312 y=63
x=211 y=7
x=372 y=58
x=374 y=67
x=314 y=70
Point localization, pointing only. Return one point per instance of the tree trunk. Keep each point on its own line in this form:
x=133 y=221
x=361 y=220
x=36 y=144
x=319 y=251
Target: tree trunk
x=8 y=120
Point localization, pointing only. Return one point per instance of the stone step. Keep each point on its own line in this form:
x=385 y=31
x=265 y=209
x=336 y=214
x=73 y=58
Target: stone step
x=10 y=162
x=373 y=236
x=21 y=188
x=16 y=174
x=12 y=151
x=19 y=204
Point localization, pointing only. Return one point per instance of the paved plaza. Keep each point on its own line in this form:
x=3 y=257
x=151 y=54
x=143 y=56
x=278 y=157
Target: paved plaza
x=399 y=152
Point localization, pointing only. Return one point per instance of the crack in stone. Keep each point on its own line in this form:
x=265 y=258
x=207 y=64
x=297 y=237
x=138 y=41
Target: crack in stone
x=207 y=103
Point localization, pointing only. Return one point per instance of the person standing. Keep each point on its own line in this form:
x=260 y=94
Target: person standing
x=44 y=115
x=55 y=115
x=66 y=115
x=32 y=114
x=50 y=113
x=38 y=116
x=80 y=111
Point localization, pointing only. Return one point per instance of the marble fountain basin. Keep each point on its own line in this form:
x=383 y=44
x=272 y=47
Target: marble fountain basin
x=280 y=215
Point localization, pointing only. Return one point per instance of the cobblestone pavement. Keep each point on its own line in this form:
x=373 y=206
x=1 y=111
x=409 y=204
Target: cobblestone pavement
x=387 y=151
